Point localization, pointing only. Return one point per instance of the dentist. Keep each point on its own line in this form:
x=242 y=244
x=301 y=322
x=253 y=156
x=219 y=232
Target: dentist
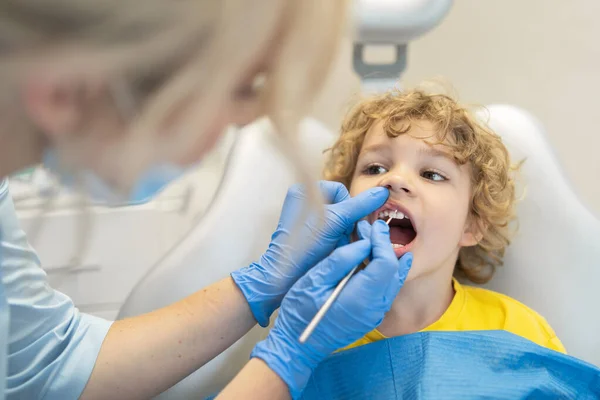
x=117 y=96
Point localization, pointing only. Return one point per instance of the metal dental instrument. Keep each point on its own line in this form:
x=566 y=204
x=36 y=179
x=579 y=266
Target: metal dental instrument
x=327 y=305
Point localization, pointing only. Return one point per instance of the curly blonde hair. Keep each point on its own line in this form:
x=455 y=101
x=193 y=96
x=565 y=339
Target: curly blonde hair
x=469 y=141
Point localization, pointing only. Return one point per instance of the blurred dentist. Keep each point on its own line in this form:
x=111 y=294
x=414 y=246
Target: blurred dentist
x=118 y=96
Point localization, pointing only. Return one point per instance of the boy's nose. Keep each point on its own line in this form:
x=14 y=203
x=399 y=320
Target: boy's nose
x=398 y=184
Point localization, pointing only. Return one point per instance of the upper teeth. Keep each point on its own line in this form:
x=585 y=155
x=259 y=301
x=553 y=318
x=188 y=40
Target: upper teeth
x=393 y=214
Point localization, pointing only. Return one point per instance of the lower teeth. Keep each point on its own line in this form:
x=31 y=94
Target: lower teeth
x=397 y=246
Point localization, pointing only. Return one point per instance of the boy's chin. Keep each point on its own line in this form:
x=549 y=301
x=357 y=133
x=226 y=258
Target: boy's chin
x=412 y=274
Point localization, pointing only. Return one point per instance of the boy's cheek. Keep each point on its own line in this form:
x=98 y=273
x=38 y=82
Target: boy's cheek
x=354 y=188
x=358 y=185
x=412 y=273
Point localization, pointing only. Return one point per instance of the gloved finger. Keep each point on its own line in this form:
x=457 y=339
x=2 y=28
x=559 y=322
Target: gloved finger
x=353 y=209
x=404 y=265
x=382 y=245
x=344 y=240
x=293 y=204
x=379 y=274
x=363 y=229
x=339 y=263
x=295 y=192
x=296 y=201
x=296 y=198
x=333 y=192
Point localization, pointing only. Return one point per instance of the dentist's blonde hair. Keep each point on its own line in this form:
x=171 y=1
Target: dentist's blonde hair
x=170 y=52
x=162 y=54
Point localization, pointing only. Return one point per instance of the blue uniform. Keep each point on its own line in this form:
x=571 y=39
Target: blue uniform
x=47 y=347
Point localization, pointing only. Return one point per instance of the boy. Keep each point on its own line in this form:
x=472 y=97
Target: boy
x=451 y=200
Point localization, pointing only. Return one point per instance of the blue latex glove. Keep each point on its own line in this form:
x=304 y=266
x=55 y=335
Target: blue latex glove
x=296 y=247
x=359 y=308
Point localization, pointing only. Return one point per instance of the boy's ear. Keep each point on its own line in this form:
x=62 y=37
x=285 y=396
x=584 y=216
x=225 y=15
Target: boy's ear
x=473 y=233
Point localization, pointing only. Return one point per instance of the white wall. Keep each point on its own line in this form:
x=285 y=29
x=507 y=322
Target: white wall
x=538 y=54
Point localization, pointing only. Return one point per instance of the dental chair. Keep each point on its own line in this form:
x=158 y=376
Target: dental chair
x=553 y=262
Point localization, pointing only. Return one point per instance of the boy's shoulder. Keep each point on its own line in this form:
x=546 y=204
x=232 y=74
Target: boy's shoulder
x=492 y=298
x=504 y=312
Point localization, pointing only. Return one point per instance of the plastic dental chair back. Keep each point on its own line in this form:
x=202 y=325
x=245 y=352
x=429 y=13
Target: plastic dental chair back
x=234 y=232
x=553 y=262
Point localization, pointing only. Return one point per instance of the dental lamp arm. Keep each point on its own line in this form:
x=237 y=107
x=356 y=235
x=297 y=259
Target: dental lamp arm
x=391 y=23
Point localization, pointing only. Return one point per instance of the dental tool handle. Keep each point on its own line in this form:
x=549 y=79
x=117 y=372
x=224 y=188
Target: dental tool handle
x=321 y=313
x=329 y=302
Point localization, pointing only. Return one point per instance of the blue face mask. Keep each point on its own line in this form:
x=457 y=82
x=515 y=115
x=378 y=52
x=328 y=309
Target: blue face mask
x=152 y=182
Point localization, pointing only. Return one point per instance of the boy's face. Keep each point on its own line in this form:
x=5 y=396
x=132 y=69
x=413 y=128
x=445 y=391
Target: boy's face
x=426 y=186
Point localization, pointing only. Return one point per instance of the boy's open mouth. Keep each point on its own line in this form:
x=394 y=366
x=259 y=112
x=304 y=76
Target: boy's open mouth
x=402 y=231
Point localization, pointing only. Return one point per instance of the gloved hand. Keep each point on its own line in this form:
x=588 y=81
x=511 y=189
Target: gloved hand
x=359 y=308
x=296 y=247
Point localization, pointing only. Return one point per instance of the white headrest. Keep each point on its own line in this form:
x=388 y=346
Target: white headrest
x=553 y=263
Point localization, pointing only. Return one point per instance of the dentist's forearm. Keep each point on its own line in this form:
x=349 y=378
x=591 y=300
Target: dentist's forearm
x=256 y=381
x=145 y=355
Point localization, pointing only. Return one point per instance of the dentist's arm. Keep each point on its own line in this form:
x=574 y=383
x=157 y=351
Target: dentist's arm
x=256 y=381
x=145 y=355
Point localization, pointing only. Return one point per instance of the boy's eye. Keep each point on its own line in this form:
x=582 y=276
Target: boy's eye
x=433 y=176
x=375 y=169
